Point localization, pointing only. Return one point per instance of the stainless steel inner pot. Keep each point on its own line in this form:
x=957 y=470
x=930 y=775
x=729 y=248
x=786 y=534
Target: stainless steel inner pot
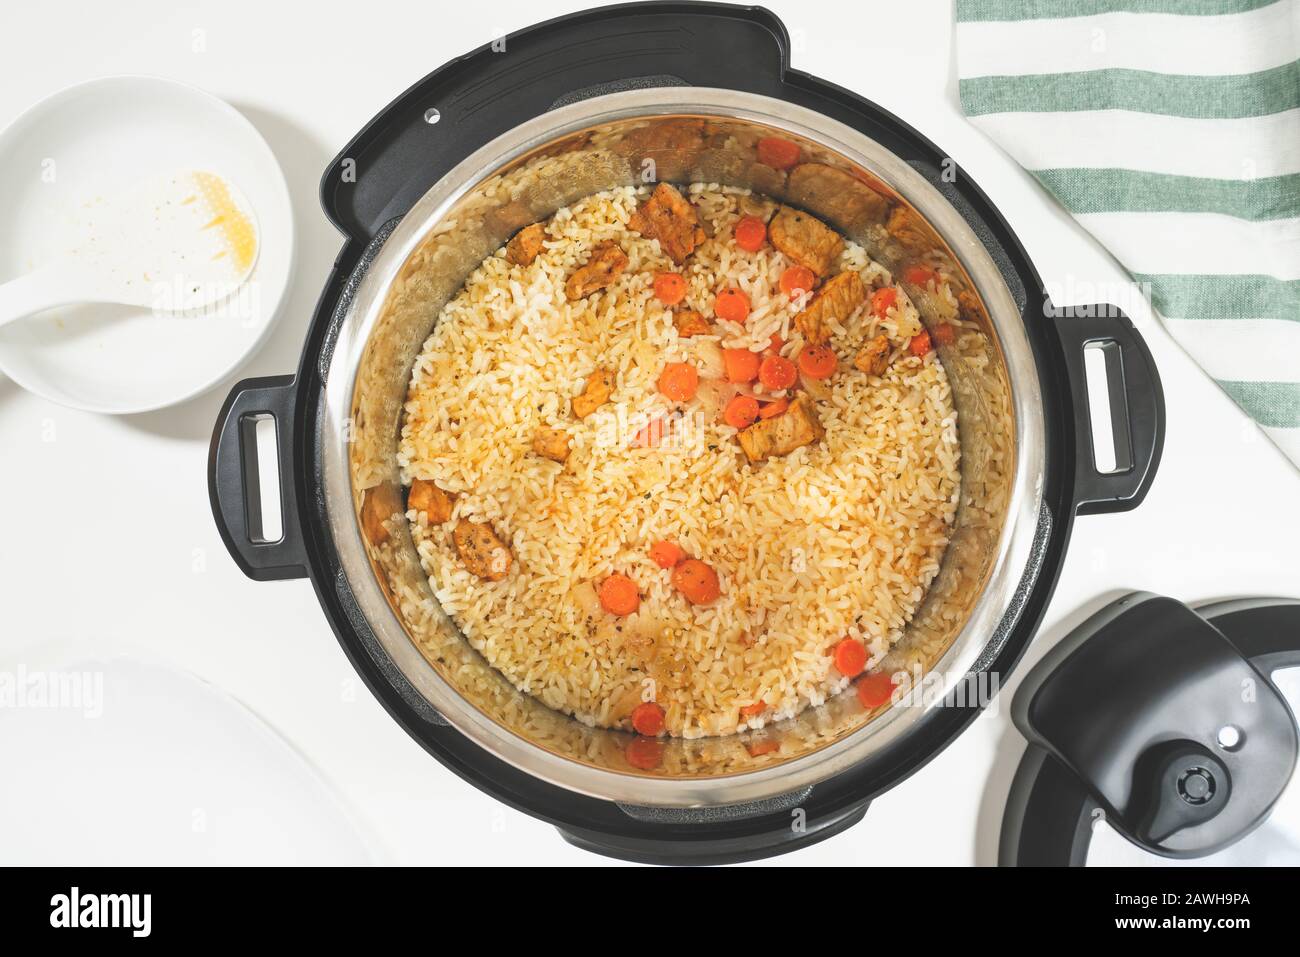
x=679 y=134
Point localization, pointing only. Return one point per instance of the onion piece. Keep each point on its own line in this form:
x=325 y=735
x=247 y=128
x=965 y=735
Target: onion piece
x=817 y=388
x=713 y=396
x=708 y=354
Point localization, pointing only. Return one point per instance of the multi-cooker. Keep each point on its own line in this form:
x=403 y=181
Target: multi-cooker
x=628 y=95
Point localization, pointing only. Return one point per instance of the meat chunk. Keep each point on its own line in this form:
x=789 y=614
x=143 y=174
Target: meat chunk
x=969 y=306
x=839 y=197
x=434 y=502
x=873 y=358
x=600 y=385
x=689 y=323
x=606 y=264
x=508 y=218
x=379 y=503
x=805 y=239
x=910 y=232
x=551 y=444
x=525 y=246
x=483 y=553
x=764 y=180
x=669 y=218
x=794 y=428
x=837 y=299
x=672 y=145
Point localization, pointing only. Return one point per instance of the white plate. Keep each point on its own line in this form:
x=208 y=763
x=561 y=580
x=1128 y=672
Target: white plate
x=125 y=762
x=102 y=137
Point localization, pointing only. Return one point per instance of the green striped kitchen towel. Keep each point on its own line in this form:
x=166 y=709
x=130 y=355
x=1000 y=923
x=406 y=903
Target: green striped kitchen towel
x=1171 y=130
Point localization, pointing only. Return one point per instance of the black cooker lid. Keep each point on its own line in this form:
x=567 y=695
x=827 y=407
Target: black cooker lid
x=1161 y=721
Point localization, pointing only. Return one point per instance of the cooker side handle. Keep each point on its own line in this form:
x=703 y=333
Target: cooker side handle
x=687 y=838
x=234 y=481
x=1137 y=407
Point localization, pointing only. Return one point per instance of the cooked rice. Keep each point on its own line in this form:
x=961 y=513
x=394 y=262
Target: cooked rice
x=838 y=538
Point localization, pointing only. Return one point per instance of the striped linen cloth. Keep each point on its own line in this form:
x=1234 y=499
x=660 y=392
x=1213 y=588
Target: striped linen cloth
x=1170 y=129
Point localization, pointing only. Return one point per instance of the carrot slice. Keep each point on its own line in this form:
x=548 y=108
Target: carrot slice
x=731 y=305
x=797 y=279
x=644 y=754
x=678 y=381
x=771 y=410
x=749 y=710
x=850 y=657
x=670 y=288
x=648 y=718
x=759 y=748
x=777 y=153
x=919 y=344
x=776 y=343
x=882 y=300
x=618 y=595
x=741 y=412
x=818 y=362
x=777 y=372
x=750 y=233
x=696 y=581
x=875 y=689
x=740 y=365
x=919 y=275
x=666 y=554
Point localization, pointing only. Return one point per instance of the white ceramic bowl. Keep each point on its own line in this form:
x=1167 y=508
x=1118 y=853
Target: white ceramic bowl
x=102 y=137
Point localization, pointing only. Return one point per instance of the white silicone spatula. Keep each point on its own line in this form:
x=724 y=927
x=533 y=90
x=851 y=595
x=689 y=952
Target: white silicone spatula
x=174 y=244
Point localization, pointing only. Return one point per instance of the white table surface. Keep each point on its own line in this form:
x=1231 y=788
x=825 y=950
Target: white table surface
x=118 y=507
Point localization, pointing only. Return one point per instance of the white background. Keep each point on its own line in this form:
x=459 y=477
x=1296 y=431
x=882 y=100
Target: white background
x=109 y=544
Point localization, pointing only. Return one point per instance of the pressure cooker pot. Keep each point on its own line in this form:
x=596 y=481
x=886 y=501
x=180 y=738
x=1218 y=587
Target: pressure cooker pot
x=625 y=97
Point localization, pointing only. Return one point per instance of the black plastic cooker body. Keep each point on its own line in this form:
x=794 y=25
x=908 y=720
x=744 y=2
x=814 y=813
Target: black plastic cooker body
x=461 y=106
